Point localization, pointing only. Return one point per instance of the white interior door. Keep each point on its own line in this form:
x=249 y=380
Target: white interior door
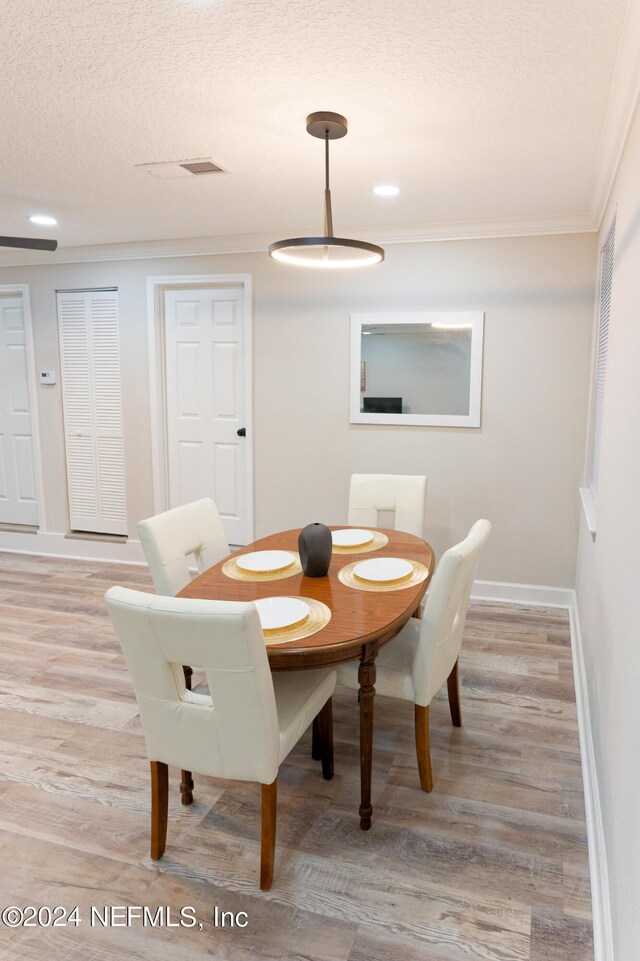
x=18 y=499
x=205 y=402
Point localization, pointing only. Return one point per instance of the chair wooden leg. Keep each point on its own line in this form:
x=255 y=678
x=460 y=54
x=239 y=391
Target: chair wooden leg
x=325 y=738
x=453 y=689
x=159 y=808
x=423 y=749
x=186 y=780
x=316 y=748
x=268 y=834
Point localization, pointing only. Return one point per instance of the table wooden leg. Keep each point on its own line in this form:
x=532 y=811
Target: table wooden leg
x=366 y=694
x=186 y=787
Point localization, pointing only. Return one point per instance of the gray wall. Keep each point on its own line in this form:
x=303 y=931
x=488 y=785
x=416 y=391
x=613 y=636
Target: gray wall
x=520 y=469
x=608 y=577
x=429 y=370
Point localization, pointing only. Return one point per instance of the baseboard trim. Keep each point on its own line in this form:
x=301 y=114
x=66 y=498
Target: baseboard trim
x=598 y=870
x=508 y=593
x=19 y=528
x=48 y=544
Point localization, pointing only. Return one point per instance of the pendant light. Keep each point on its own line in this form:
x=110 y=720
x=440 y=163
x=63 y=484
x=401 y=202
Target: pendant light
x=327 y=251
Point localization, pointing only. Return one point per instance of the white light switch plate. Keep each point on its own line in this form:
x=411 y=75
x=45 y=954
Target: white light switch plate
x=47 y=376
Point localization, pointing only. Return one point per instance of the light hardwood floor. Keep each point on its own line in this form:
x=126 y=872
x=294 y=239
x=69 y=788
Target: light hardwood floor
x=491 y=865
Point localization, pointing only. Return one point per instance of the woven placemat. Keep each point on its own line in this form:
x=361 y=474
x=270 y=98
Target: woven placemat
x=231 y=569
x=379 y=540
x=319 y=617
x=349 y=579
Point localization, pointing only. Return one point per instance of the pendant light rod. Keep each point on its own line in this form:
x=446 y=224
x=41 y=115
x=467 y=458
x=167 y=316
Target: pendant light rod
x=326 y=160
x=328 y=216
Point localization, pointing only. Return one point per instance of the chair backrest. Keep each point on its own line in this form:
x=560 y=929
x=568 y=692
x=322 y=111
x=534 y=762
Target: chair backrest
x=406 y=494
x=169 y=538
x=232 y=732
x=442 y=624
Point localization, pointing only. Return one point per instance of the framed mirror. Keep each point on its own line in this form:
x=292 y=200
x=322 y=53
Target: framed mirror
x=416 y=368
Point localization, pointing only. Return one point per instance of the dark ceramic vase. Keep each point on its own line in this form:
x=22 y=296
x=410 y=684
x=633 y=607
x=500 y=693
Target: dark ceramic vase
x=315 y=546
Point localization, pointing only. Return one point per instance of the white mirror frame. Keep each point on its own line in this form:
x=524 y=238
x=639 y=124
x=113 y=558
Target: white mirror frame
x=449 y=318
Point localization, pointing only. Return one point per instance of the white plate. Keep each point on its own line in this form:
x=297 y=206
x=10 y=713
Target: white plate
x=278 y=612
x=265 y=562
x=351 y=538
x=383 y=569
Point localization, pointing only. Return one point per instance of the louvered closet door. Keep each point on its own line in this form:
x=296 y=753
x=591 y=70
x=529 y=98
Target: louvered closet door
x=92 y=398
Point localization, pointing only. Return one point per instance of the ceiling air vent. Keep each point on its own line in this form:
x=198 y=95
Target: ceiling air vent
x=203 y=167
x=182 y=168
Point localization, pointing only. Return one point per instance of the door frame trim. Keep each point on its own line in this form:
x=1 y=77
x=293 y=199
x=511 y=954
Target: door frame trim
x=156 y=287
x=24 y=291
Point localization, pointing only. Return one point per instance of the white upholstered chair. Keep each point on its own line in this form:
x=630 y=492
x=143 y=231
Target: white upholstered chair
x=169 y=539
x=248 y=723
x=424 y=654
x=406 y=494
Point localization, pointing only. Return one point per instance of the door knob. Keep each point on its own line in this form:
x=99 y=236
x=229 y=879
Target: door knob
x=242 y=432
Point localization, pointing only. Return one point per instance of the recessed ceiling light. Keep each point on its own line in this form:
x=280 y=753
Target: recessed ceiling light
x=43 y=221
x=386 y=190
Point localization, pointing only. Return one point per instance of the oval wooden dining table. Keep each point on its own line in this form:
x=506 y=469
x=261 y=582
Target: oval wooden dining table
x=361 y=621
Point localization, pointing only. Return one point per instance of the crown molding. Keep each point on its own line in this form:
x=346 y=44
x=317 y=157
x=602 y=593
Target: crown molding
x=477 y=229
x=141 y=250
x=258 y=243
x=623 y=103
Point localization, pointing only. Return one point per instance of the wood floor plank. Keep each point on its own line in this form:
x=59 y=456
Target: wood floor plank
x=491 y=866
x=556 y=937
x=74 y=705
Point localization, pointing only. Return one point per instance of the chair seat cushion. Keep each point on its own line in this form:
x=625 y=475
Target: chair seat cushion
x=394 y=665
x=300 y=696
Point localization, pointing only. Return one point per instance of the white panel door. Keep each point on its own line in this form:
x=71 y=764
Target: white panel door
x=18 y=500
x=205 y=370
x=92 y=401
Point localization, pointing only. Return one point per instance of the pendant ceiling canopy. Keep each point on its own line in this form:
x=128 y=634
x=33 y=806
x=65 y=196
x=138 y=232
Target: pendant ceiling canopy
x=326 y=251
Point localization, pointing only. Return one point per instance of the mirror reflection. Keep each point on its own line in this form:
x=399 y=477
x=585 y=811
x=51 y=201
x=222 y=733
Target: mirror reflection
x=415 y=368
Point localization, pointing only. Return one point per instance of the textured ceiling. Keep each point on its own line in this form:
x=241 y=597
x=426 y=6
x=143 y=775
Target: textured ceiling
x=478 y=110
